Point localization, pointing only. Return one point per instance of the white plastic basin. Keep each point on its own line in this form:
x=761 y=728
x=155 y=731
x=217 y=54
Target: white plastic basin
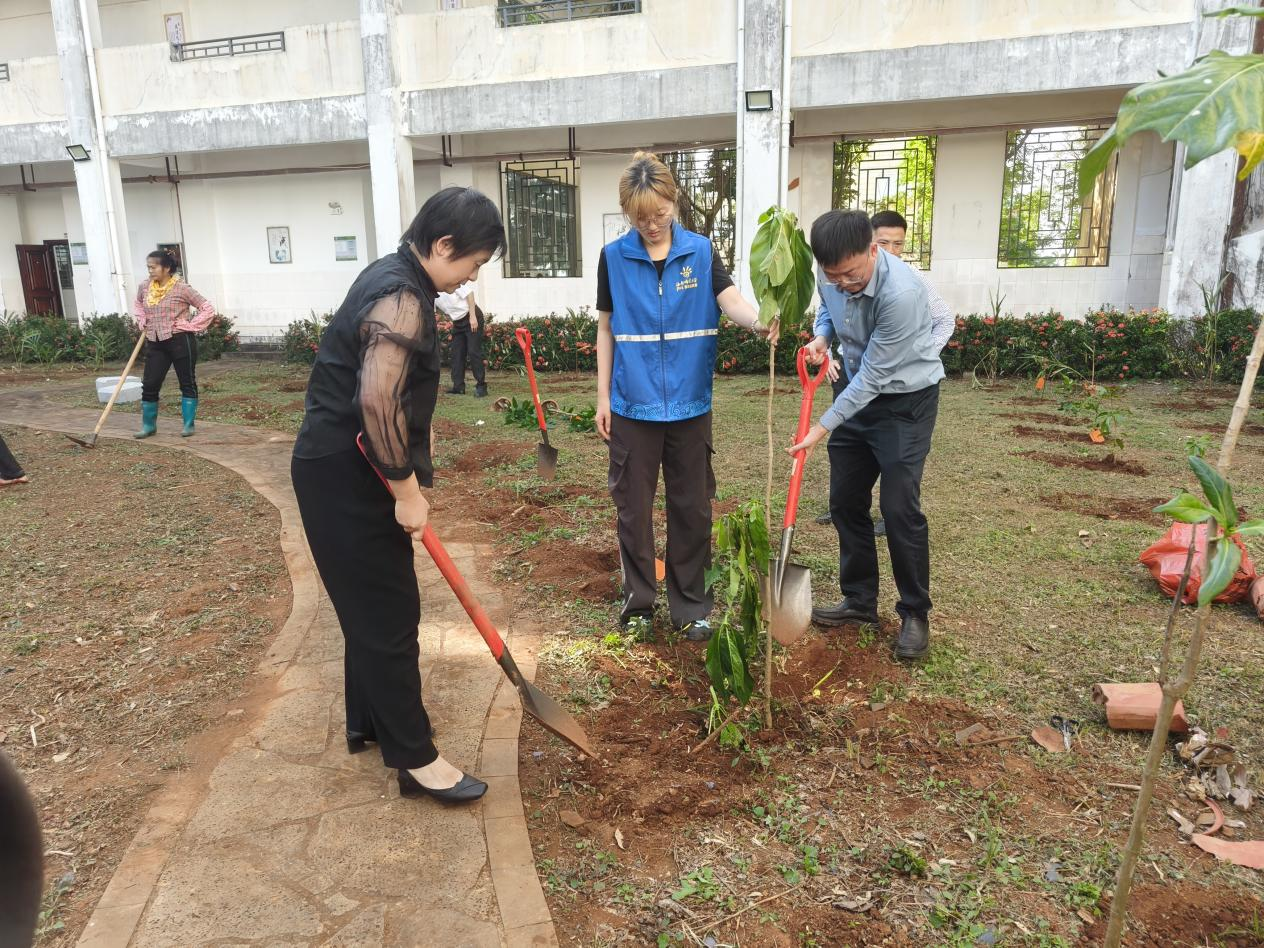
x=129 y=393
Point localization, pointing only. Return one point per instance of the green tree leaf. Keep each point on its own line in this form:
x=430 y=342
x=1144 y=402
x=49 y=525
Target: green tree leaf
x=781 y=268
x=1217 y=491
x=1251 y=528
x=1224 y=563
x=1186 y=508
x=1208 y=107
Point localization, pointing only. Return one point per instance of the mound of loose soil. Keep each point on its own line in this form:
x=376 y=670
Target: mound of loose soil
x=297 y=385
x=1106 y=508
x=1190 y=404
x=780 y=390
x=1030 y=400
x=480 y=457
x=1046 y=434
x=1181 y=913
x=1109 y=463
x=587 y=573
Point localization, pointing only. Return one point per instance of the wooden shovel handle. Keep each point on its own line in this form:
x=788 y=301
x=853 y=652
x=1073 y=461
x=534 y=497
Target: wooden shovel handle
x=119 y=386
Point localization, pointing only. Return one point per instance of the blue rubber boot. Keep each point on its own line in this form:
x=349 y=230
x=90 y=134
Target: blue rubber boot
x=188 y=411
x=148 y=420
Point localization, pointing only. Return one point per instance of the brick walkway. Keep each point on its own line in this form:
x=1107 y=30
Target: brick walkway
x=293 y=842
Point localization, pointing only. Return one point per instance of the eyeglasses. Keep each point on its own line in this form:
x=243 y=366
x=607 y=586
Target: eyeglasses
x=662 y=217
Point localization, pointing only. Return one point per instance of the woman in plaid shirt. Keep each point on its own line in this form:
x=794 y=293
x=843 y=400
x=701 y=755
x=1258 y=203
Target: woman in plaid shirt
x=162 y=312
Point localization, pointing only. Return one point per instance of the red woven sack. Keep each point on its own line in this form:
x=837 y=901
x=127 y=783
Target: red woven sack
x=1166 y=561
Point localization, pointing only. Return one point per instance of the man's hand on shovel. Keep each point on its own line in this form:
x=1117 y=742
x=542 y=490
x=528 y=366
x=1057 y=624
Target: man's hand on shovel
x=809 y=443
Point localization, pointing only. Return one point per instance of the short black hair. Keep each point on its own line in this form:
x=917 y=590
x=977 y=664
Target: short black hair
x=165 y=259
x=837 y=235
x=467 y=216
x=888 y=219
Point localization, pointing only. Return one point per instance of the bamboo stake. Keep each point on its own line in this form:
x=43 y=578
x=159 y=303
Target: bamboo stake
x=772 y=382
x=1174 y=691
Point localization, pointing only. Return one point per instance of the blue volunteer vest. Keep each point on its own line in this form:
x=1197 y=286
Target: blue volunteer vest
x=664 y=331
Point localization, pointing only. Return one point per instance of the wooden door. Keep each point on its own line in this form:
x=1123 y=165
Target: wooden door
x=39 y=279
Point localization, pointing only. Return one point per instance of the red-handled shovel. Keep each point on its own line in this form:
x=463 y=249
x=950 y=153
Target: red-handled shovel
x=790 y=585
x=545 y=453
x=535 y=702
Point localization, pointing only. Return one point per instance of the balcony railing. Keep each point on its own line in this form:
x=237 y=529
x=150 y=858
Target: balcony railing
x=528 y=12
x=4 y=72
x=229 y=46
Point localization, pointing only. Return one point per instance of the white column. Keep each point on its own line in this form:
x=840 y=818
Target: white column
x=1204 y=196
x=98 y=181
x=390 y=152
x=761 y=180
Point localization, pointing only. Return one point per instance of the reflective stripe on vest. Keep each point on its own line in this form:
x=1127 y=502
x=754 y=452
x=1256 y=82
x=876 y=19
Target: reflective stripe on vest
x=654 y=337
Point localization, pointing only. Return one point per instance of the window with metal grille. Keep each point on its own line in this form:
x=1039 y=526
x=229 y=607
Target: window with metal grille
x=1043 y=221
x=528 y=12
x=707 y=205
x=890 y=174
x=541 y=202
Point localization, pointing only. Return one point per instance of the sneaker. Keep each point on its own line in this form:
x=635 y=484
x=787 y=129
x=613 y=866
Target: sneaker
x=480 y=391
x=699 y=630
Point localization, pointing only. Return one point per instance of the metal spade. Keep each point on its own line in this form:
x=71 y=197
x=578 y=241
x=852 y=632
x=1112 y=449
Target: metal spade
x=545 y=453
x=90 y=440
x=790 y=585
x=534 y=701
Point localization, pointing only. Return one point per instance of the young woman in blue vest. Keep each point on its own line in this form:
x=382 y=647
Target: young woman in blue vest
x=660 y=290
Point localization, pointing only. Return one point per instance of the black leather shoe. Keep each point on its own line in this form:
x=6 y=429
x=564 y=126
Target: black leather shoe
x=914 y=638
x=456 y=391
x=879 y=528
x=467 y=789
x=843 y=613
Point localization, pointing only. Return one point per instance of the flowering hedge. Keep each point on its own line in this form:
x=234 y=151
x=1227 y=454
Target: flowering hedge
x=1107 y=344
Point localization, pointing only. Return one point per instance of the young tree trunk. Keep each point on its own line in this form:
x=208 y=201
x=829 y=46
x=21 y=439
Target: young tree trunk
x=772 y=382
x=1176 y=690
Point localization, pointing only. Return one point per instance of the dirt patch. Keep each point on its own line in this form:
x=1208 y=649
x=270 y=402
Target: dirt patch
x=447 y=428
x=581 y=571
x=1046 y=434
x=1109 y=463
x=1190 y=404
x=480 y=457
x=1030 y=400
x=1183 y=915
x=138 y=589
x=780 y=390
x=1249 y=429
x=1043 y=417
x=294 y=385
x=1106 y=508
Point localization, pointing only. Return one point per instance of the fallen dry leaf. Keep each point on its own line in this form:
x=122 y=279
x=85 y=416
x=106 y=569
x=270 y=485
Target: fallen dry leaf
x=571 y=819
x=1249 y=854
x=1183 y=824
x=618 y=839
x=963 y=736
x=1050 y=739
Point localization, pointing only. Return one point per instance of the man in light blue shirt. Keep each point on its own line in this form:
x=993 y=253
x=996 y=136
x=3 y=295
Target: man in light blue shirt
x=881 y=422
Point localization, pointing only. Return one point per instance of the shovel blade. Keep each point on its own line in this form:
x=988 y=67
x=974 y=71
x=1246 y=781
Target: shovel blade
x=790 y=608
x=87 y=441
x=552 y=716
x=546 y=460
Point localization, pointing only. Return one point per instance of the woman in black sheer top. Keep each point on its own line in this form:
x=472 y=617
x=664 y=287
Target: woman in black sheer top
x=377 y=372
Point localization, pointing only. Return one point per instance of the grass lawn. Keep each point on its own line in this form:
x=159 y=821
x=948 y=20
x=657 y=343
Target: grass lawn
x=857 y=819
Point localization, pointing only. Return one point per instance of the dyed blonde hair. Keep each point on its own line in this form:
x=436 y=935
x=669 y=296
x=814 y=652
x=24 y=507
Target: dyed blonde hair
x=643 y=184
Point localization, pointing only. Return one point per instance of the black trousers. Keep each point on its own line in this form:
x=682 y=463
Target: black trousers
x=10 y=469
x=467 y=345
x=683 y=450
x=181 y=351
x=365 y=560
x=889 y=437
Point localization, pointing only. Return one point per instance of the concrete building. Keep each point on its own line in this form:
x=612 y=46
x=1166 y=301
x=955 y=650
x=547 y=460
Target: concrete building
x=284 y=145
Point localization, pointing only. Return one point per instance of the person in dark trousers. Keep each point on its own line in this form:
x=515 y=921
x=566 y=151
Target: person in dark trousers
x=890 y=231
x=881 y=421
x=21 y=860
x=377 y=374
x=468 y=327
x=162 y=312
x=10 y=470
x=660 y=290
